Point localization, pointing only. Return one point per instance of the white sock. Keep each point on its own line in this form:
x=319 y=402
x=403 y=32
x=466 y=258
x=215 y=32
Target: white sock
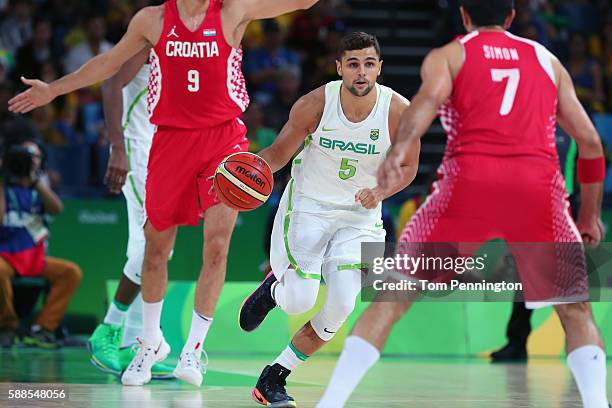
x=588 y=365
x=151 y=320
x=197 y=333
x=357 y=357
x=114 y=315
x=132 y=330
x=290 y=358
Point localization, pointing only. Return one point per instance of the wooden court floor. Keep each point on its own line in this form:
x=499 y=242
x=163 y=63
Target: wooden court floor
x=393 y=382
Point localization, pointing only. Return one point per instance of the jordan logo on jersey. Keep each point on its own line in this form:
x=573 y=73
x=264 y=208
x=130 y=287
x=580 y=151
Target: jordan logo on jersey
x=172 y=32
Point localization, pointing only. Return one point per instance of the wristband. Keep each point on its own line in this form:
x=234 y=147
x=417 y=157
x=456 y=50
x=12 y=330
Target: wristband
x=591 y=170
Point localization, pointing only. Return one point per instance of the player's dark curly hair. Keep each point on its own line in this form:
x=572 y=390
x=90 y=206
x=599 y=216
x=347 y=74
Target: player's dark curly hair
x=488 y=12
x=357 y=41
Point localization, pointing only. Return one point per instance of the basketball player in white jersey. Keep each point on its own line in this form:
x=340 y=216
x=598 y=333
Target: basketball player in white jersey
x=331 y=205
x=130 y=134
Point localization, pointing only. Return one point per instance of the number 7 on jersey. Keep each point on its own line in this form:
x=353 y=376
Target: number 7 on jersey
x=514 y=76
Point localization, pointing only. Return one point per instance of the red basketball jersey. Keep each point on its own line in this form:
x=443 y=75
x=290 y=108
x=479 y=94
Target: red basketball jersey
x=504 y=100
x=196 y=81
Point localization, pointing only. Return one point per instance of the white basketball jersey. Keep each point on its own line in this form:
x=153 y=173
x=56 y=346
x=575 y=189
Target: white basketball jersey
x=341 y=157
x=136 y=123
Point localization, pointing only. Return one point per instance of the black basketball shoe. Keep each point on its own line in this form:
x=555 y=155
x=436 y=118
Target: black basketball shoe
x=256 y=307
x=270 y=389
x=510 y=352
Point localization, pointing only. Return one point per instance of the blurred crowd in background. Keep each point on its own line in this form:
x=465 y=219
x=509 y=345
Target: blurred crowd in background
x=284 y=58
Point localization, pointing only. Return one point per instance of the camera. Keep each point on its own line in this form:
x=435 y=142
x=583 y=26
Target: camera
x=18 y=162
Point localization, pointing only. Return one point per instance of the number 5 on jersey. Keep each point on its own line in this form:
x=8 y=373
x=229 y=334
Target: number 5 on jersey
x=514 y=76
x=194 y=80
x=347 y=169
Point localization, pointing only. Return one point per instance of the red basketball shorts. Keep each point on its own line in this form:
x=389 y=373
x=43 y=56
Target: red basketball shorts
x=177 y=190
x=520 y=201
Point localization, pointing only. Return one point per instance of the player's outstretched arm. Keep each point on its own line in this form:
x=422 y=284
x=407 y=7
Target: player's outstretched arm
x=259 y=9
x=112 y=100
x=436 y=87
x=304 y=118
x=97 y=69
x=591 y=165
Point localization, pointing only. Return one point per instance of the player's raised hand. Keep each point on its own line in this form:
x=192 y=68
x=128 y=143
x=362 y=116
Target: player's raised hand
x=37 y=95
x=592 y=231
x=116 y=170
x=390 y=171
x=369 y=197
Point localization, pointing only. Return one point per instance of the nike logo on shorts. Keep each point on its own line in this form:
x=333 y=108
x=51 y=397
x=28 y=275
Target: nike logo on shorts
x=327 y=331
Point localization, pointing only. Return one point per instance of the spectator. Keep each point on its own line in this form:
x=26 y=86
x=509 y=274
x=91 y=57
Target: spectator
x=36 y=52
x=586 y=74
x=607 y=61
x=94 y=44
x=258 y=135
x=24 y=201
x=528 y=20
x=308 y=30
x=3 y=71
x=529 y=31
x=63 y=113
x=581 y=15
x=118 y=17
x=10 y=123
x=16 y=30
x=264 y=64
x=322 y=67
x=63 y=14
x=277 y=111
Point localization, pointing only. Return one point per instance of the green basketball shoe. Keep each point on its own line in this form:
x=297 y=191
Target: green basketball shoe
x=104 y=347
x=159 y=371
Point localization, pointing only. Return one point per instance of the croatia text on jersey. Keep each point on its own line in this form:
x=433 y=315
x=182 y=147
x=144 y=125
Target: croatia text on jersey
x=184 y=49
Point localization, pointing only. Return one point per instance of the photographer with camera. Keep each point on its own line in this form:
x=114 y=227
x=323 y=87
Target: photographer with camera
x=25 y=201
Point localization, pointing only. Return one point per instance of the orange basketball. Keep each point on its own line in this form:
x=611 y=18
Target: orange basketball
x=243 y=181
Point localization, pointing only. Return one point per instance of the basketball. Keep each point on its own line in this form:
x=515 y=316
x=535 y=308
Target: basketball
x=243 y=181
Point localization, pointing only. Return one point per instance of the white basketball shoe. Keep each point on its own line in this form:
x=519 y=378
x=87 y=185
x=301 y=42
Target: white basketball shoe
x=139 y=370
x=190 y=369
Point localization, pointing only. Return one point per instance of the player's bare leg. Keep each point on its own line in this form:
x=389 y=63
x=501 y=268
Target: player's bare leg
x=376 y=322
x=307 y=341
x=343 y=286
x=155 y=266
x=126 y=291
x=153 y=348
x=218 y=227
x=585 y=353
x=362 y=349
